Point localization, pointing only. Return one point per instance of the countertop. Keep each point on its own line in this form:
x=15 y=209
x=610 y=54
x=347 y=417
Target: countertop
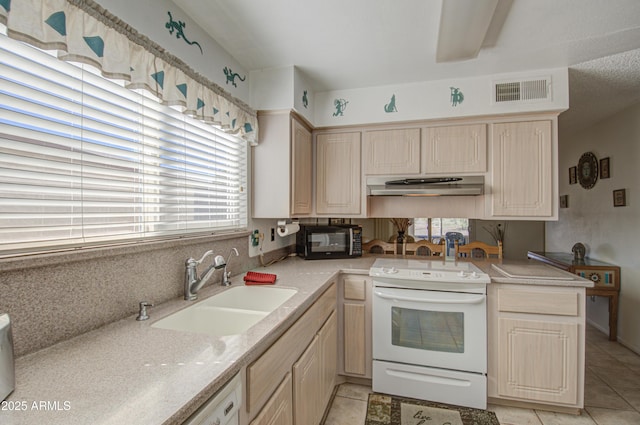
x=530 y=272
x=128 y=371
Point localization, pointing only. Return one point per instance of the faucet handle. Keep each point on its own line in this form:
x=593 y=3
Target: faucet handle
x=205 y=255
x=142 y=314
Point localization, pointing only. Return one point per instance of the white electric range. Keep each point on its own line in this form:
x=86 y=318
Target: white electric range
x=430 y=330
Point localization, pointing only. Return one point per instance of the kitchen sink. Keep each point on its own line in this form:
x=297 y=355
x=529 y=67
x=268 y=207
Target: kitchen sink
x=228 y=313
x=257 y=298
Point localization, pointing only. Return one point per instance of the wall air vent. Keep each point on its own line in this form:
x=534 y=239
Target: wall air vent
x=522 y=90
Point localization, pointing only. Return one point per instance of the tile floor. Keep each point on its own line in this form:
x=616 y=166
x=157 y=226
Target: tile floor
x=612 y=393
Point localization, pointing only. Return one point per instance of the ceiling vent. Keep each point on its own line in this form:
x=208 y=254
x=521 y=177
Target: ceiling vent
x=522 y=90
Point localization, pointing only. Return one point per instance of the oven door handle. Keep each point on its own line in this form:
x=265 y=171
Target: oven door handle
x=476 y=300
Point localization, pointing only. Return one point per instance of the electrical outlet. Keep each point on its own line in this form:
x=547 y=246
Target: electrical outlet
x=255 y=238
x=273 y=234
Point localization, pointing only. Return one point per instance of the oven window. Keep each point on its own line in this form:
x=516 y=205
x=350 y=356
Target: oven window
x=328 y=242
x=427 y=330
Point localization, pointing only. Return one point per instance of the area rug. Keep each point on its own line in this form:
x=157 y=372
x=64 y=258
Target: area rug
x=391 y=410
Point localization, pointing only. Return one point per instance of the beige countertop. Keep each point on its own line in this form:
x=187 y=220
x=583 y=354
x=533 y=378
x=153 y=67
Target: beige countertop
x=128 y=371
x=530 y=272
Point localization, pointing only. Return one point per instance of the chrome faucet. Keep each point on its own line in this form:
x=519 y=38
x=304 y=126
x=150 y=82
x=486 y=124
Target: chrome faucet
x=193 y=283
x=225 y=274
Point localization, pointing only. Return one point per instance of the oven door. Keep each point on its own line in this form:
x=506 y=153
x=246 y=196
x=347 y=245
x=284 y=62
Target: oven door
x=430 y=328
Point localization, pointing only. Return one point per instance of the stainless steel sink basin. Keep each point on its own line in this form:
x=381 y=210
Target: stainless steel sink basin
x=228 y=313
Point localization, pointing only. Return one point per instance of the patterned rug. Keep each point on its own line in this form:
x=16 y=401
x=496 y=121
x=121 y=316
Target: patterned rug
x=391 y=410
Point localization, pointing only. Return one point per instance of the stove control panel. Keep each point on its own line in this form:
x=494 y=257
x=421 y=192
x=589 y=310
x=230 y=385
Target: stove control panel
x=430 y=275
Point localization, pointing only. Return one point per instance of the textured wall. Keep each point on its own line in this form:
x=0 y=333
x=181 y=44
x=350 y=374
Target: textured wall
x=56 y=297
x=609 y=233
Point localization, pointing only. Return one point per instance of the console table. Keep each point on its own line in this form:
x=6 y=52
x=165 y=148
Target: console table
x=605 y=276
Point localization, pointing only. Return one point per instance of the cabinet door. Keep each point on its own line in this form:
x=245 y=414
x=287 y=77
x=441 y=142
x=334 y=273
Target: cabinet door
x=301 y=184
x=328 y=347
x=306 y=387
x=455 y=149
x=338 y=189
x=279 y=409
x=355 y=326
x=354 y=339
x=538 y=360
x=522 y=169
x=392 y=151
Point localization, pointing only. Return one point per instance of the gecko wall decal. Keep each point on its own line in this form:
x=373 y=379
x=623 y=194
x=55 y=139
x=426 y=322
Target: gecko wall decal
x=231 y=76
x=178 y=28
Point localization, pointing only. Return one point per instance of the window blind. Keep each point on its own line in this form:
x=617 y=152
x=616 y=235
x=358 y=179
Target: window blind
x=84 y=160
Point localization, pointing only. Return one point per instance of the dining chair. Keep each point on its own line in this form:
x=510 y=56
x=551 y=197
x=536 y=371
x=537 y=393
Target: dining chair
x=473 y=249
x=423 y=248
x=378 y=246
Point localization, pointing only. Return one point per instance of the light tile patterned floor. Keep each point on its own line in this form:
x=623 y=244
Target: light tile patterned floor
x=612 y=393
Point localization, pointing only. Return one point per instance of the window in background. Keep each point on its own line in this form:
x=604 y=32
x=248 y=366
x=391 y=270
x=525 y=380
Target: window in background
x=84 y=160
x=434 y=229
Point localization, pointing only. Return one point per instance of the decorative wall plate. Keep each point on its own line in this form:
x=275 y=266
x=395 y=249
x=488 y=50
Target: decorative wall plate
x=587 y=170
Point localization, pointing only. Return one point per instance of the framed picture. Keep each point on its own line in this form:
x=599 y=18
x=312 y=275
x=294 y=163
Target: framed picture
x=619 y=198
x=604 y=168
x=573 y=178
x=564 y=201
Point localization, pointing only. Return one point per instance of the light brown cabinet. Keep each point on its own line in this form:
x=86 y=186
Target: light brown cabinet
x=536 y=345
x=278 y=410
x=306 y=386
x=338 y=189
x=392 y=152
x=328 y=350
x=355 y=334
x=304 y=354
x=314 y=375
x=302 y=182
x=455 y=149
x=523 y=170
x=282 y=163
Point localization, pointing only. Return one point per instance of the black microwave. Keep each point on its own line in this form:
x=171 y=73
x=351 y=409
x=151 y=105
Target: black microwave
x=337 y=241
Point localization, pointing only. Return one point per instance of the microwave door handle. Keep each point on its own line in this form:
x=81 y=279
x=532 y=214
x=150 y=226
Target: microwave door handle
x=350 y=241
x=476 y=300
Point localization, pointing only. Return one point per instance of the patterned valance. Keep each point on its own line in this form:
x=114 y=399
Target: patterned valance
x=82 y=31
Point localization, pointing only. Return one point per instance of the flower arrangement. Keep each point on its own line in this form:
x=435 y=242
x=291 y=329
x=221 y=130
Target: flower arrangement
x=497 y=232
x=402 y=224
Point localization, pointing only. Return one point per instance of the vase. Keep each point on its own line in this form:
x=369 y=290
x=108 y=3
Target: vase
x=400 y=242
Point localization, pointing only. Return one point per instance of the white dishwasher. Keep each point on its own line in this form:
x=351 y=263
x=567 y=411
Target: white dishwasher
x=222 y=408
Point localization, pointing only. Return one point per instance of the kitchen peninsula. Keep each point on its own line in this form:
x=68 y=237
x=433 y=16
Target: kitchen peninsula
x=605 y=278
x=128 y=369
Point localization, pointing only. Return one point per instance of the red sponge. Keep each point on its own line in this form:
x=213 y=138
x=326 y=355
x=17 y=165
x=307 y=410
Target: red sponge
x=255 y=278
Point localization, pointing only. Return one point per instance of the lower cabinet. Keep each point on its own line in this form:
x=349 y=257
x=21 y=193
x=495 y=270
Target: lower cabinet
x=536 y=345
x=314 y=375
x=354 y=327
x=294 y=378
x=278 y=410
x=306 y=382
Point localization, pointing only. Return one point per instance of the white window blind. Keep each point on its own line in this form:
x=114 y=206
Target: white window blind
x=84 y=160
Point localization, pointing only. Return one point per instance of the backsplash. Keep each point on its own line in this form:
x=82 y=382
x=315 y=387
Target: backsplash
x=59 y=296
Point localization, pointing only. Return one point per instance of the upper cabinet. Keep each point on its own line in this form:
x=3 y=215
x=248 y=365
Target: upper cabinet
x=455 y=149
x=523 y=170
x=392 y=151
x=282 y=167
x=302 y=183
x=338 y=180
x=517 y=156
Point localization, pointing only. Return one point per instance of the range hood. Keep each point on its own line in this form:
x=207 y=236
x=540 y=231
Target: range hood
x=425 y=186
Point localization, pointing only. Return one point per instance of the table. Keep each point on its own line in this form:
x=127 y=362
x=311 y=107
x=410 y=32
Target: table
x=605 y=276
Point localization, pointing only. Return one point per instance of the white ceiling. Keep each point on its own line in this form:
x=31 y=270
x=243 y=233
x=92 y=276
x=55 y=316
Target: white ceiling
x=343 y=44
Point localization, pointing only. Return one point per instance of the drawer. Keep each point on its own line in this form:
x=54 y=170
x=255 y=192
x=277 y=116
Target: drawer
x=355 y=289
x=537 y=302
